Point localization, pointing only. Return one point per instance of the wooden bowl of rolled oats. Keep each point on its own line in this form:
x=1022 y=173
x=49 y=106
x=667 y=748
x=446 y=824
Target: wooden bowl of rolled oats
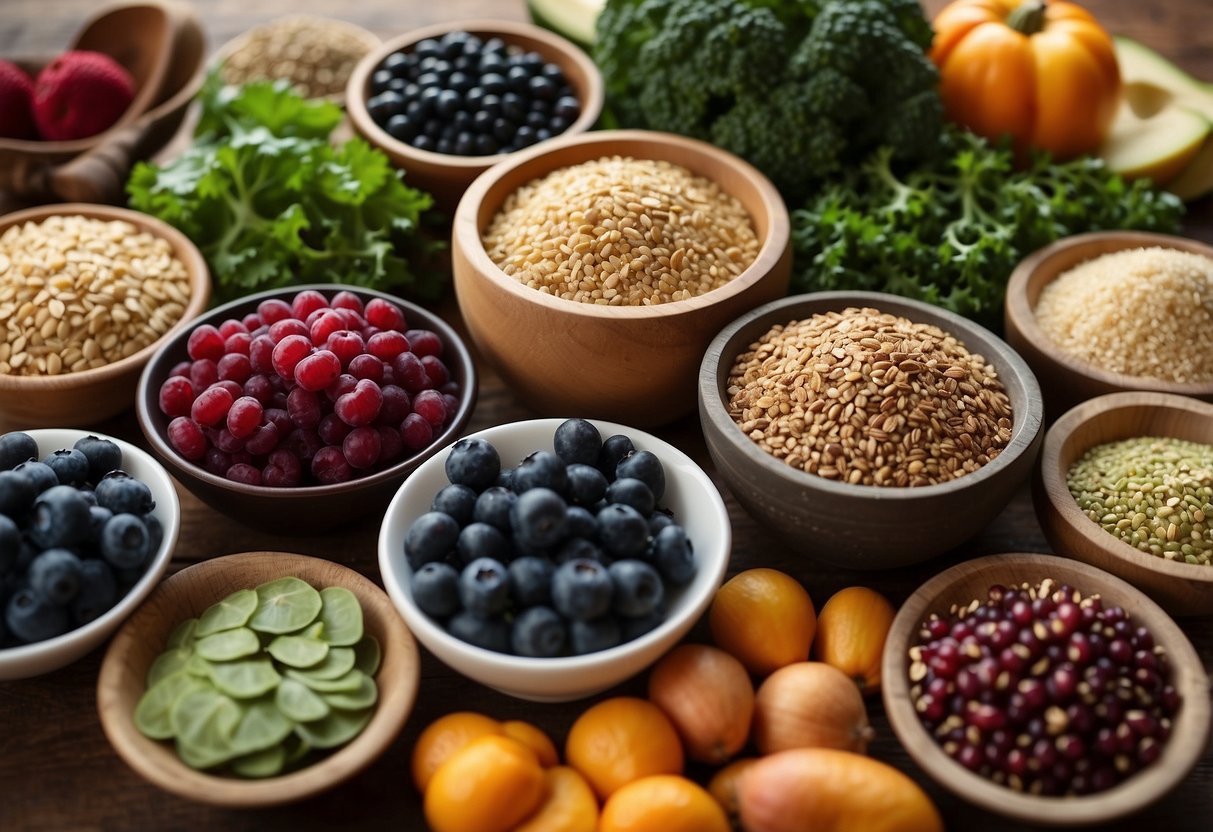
x=867 y=430
x=86 y=294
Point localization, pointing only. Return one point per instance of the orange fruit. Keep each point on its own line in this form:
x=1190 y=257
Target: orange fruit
x=533 y=738
x=443 y=737
x=765 y=618
x=662 y=803
x=490 y=785
x=620 y=740
x=570 y=804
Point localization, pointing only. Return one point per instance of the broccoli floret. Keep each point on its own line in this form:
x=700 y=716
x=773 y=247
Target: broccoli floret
x=801 y=89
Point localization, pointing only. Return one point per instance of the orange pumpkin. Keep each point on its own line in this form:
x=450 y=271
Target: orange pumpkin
x=1044 y=74
x=851 y=631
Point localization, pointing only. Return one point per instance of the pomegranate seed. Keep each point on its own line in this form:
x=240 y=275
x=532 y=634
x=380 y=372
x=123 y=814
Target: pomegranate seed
x=346 y=345
x=211 y=405
x=424 y=342
x=282 y=470
x=234 y=367
x=970 y=756
x=384 y=314
x=362 y=447
x=260 y=388
x=344 y=384
x=303 y=406
x=360 y=406
x=203 y=373
x=273 y=310
x=307 y=302
x=288 y=326
x=262 y=440
x=217 y=462
x=416 y=432
x=409 y=372
x=327 y=321
x=318 y=370
x=332 y=430
x=238 y=342
x=205 y=342
x=261 y=354
x=429 y=405
x=187 y=438
x=435 y=370
x=368 y=367
x=387 y=345
x=390 y=444
x=176 y=396
x=242 y=472
x=244 y=416
x=347 y=300
x=329 y=466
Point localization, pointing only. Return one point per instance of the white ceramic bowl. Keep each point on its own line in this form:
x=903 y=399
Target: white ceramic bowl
x=690 y=495
x=44 y=656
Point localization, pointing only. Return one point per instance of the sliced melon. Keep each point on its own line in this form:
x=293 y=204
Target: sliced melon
x=1139 y=64
x=1196 y=179
x=575 y=19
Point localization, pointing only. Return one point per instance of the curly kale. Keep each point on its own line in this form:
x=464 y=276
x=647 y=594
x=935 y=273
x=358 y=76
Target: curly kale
x=951 y=232
x=801 y=89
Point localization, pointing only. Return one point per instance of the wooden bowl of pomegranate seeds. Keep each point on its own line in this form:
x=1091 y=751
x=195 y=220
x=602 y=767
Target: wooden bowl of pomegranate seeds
x=1084 y=701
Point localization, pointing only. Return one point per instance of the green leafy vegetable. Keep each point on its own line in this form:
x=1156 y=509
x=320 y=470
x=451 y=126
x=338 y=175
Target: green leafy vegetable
x=270 y=202
x=951 y=232
x=800 y=88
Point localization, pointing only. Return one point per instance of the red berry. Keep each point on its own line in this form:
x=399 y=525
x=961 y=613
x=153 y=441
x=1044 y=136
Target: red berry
x=384 y=314
x=330 y=466
x=387 y=345
x=79 y=94
x=451 y=402
x=424 y=342
x=273 y=310
x=391 y=446
x=238 y=342
x=181 y=368
x=211 y=405
x=232 y=327
x=203 y=374
x=217 y=462
x=332 y=430
x=327 y=321
x=360 y=406
x=288 y=326
x=369 y=332
x=346 y=345
x=318 y=370
x=347 y=300
x=435 y=370
x=303 y=406
x=367 y=366
x=429 y=405
x=281 y=420
x=263 y=440
x=307 y=302
x=235 y=367
x=361 y=447
x=186 y=438
x=282 y=470
x=261 y=354
x=176 y=396
x=252 y=321
x=416 y=432
x=289 y=352
x=396 y=405
x=353 y=320
x=409 y=372
x=245 y=473
x=236 y=389
x=260 y=388
x=344 y=384
x=205 y=342
x=302 y=443
x=224 y=440
x=244 y=416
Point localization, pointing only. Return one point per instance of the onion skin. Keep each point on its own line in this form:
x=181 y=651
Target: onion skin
x=708 y=696
x=825 y=790
x=810 y=705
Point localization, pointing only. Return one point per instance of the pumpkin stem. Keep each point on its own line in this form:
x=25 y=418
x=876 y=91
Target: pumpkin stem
x=1028 y=17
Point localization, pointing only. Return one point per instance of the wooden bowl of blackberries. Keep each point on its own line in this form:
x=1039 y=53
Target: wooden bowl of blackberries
x=447 y=102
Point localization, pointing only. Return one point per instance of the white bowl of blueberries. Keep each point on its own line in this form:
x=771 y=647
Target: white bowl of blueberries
x=88 y=524
x=552 y=559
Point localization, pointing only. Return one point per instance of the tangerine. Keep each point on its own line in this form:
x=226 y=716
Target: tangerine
x=662 y=803
x=620 y=740
x=490 y=785
x=765 y=618
x=443 y=737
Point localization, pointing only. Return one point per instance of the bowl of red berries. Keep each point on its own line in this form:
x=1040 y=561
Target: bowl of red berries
x=305 y=408
x=552 y=559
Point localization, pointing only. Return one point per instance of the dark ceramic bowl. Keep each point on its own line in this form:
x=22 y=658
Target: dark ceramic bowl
x=305 y=508
x=865 y=526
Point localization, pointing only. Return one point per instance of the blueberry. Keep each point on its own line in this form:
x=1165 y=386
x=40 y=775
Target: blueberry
x=673 y=555
x=457 y=501
x=538 y=519
x=503 y=129
x=40 y=475
x=538 y=632
x=155 y=533
x=489 y=633
x=70 y=466
x=380 y=80
x=448 y=102
x=537 y=120
x=614 y=448
x=395 y=63
x=525 y=136
x=636 y=627
x=125 y=543
x=460 y=82
x=658 y=520
x=98 y=591
x=401 y=127
x=445 y=145
x=493 y=82
x=542 y=88
x=582 y=589
x=60 y=517
x=513 y=107
x=472 y=99
x=638 y=588
x=541 y=469
x=430 y=81
x=473 y=462
x=578 y=548
x=530 y=581
x=646 y=467
x=381 y=107
x=98 y=516
x=580 y=523
x=16 y=493
x=486 y=145
x=493 y=507
x=55 y=576
x=567 y=107
x=465 y=145
x=622 y=531
x=30 y=618
x=120 y=492
x=586 y=484
x=484 y=587
x=632 y=492
x=10 y=544
x=436 y=589
x=423 y=142
x=591 y=636
x=16 y=447
x=480 y=540
x=430 y=537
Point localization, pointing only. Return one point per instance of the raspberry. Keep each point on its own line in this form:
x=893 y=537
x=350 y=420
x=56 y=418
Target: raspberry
x=347 y=300
x=346 y=345
x=307 y=302
x=244 y=416
x=176 y=396
x=326 y=322
x=344 y=384
x=211 y=405
x=235 y=367
x=360 y=406
x=232 y=327
x=238 y=342
x=435 y=370
x=205 y=342
x=263 y=440
x=303 y=406
x=282 y=470
x=409 y=372
x=387 y=345
x=362 y=447
x=367 y=366
x=203 y=374
x=273 y=310
x=329 y=466
x=424 y=342
x=245 y=473
x=416 y=432
x=79 y=94
x=260 y=388
x=186 y=438
x=288 y=326
x=396 y=405
x=289 y=352
x=384 y=314
x=428 y=404
x=261 y=354
x=391 y=446
x=332 y=430
x=318 y=370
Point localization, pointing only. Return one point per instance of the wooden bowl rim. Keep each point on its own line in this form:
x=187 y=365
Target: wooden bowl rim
x=1022 y=314
x=1180 y=753
x=396 y=698
x=1025 y=428
x=508 y=30
x=465 y=231
x=184 y=249
x=452 y=342
x=1053 y=475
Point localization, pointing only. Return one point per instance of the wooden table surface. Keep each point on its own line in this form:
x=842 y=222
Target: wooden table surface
x=58 y=772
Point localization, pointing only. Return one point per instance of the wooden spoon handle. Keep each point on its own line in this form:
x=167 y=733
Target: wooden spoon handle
x=99 y=175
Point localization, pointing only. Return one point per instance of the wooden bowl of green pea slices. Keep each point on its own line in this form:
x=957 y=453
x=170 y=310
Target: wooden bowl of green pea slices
x=258 y=679
x=1125 y=483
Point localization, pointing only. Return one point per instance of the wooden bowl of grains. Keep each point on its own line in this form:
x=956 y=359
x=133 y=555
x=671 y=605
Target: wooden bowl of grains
x=867 y=430
x=1112 y=311
x=588 y=300
x=1125 y=483
x=87 y=292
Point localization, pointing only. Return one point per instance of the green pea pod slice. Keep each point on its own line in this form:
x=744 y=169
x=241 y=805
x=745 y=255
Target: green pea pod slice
x=298 y=651
x=195 y=665
x=228 y=645
x=166 y=664
x=341 y=616
x=153 y=713
x=364 y=697
x=203 y=722
x=348 y=683
x=183 y=634
x=232 y=612
x=367 y=655
x=284 y=606
x=246 y=678
x=338 y=728
x=261 y=726
x=299 y=702
x=338 y=662
x=260 y=764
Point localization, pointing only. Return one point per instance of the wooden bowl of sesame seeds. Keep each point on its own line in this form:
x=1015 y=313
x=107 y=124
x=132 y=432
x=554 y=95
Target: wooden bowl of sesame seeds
x=86 y=294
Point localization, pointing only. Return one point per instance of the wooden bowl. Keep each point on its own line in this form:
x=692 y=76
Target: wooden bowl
x=189 y=593
x=1182 y=588
x=971 y=580
x=631 y=364
x=306 y=508
x=90 y=396
x=1064 y=379
x=446 y=176
x=865 y=526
